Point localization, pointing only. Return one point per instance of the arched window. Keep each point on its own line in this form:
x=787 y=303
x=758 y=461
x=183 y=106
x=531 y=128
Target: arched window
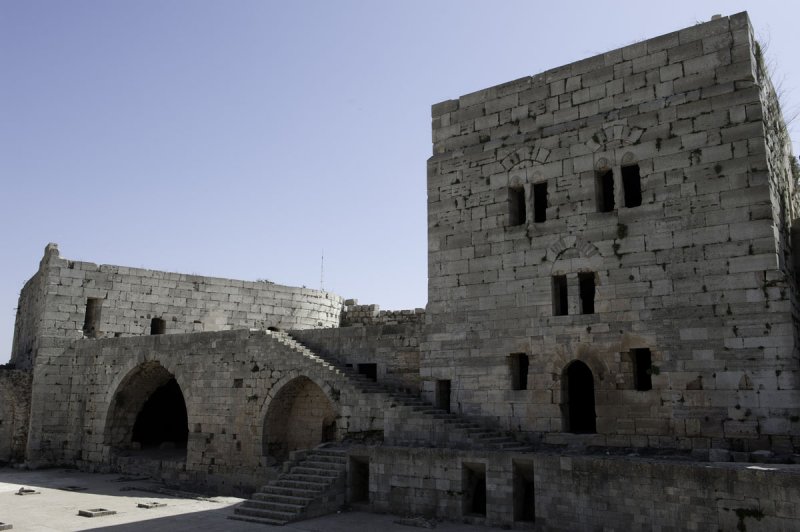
x=578 y=400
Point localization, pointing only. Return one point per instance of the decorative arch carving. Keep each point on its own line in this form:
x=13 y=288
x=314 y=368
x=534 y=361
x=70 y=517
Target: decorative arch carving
x=614 y=136
x=525 y=157
x=583 y=248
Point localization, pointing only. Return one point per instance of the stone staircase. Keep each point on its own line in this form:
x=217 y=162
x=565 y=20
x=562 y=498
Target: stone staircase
x=313 y=485
x=436 y=426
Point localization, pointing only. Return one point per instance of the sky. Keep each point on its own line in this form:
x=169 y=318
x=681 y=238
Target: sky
x=248 y=139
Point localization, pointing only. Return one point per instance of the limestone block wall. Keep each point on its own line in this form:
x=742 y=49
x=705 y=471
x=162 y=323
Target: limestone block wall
x=15 y=405
x=542 y=245
x=88 y=393
x=355 y=314
x=578 y=492
x=128 y=299
x=393 y=348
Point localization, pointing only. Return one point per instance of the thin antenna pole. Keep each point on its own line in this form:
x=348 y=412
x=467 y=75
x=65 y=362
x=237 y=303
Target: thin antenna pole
x=322 y=271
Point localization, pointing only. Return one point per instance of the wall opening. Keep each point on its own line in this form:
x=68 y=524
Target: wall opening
x=516 y=206
x=91 y=321
x=632 y=185
x=524 y=493
x=300 y=416
x=359 y=479
x=148 y=412
x=560 y=299
x=369 y=370
x=474 y=488
x=604 y=190
x=519 y=371
x=578 y=400
x=540 y=202
x=642 y=369
x=443 y=395
x=158 y=326
x=587 y=291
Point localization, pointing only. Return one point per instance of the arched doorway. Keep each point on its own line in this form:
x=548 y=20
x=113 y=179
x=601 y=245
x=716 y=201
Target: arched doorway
x=148 y=413
x=578 y=399
x=300 y=416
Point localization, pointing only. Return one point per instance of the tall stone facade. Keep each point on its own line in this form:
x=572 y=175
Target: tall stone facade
x=612 y=252
x=621 y=223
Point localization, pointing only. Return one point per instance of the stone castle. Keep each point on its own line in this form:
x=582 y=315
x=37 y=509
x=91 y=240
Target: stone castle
x=611 y=334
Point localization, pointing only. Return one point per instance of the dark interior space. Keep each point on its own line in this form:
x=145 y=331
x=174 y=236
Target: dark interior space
x=369 y=370
x=474 y=489
x=642 y=369
x=516 y=206
x=540 y=202
x=359 y=479
x=560 y=300
x=158 y=326
x=162 y=419
x=587 y=290
x=519 y=371
x=605 y=191
x=632 y=185
x=443 y=394
x=580 y=399
x=524 y=495
x=91 y=322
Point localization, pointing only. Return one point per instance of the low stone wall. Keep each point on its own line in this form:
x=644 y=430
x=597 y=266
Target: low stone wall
x=394 y=349
x=355 y=314
x=15 y=407
x=579 y=492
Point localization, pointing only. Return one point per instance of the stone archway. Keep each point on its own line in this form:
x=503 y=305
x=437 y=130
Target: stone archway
x=148 y=412
x=300 y=416
x=578 y=401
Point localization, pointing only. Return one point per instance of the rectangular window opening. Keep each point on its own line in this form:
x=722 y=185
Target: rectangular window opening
x=359 y=479
x=91 y=322
x=369 y=370
x=519 y=371
x=516 y=206
x=604 y=185
x=524 y=495
x=587 y=290
x=632 y=185
x=642 y=369
x=443 y=395
x=540 y=202
x=158 y=326
x=474 y=488
x=560 y=300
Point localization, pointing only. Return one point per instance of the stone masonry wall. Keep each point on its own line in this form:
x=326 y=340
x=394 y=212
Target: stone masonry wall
x=28 y=322
x=355 y=314
x=87 y=396
x=15 y=407
x=578 y=492
x=130 y=298
x=693 y=273
x=393 y=348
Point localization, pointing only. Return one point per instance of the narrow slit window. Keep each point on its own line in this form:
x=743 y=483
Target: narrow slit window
x=587 y=291
x=519 y=371
x=443 y=395
x=540 y=202
x=642 y=369
x=605 y=191
x=516 y=206
x=632 y=185
x=158 y=326
x=91 y=322
x=560 y=300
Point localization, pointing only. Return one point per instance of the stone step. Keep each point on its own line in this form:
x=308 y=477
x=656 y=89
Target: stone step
x=324 y=464
x=274 y=506
x=301 y=484
x=268 y=514
x=306 y=477
x=259 y=520
x=279 y=497
x=286 y=491
x=305 y=469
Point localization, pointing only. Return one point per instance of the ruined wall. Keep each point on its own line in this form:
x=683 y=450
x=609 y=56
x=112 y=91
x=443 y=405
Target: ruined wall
x=578 y=492
x=129 y=298
x=28 y=323
x=87 y=397
x=355 y=314
x=15 y=403
x=393 y=348
x=520 y=210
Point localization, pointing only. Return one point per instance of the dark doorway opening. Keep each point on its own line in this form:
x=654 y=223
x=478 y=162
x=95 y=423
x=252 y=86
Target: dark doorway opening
x=587 y=291
x=604 y=190
x=579 y=403
x=632 y=185
x=540 y=202
x=162 y=421
x=359 y=479
x=158 y=326
x=369 y=370
x=524 y=494
x=519 y=371
x=443 y=394
x=642 y=369
x=516 y=206
x=474 y=487
x=560 y=299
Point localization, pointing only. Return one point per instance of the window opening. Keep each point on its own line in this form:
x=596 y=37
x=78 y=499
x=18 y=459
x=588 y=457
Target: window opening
x=524 y=495
x=642 y=369
x=91 y=322
x=158 y=326
x=560 y=300
x=516 y=206
x=369 y=370
x=540 y=202
x=587 y=291
x=443 y=395
x=581 y=418
x=632 y=185
x=519 y=371
x=605 y=191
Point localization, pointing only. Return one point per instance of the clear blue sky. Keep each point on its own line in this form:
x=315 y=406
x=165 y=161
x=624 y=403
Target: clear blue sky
x=241 y=138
